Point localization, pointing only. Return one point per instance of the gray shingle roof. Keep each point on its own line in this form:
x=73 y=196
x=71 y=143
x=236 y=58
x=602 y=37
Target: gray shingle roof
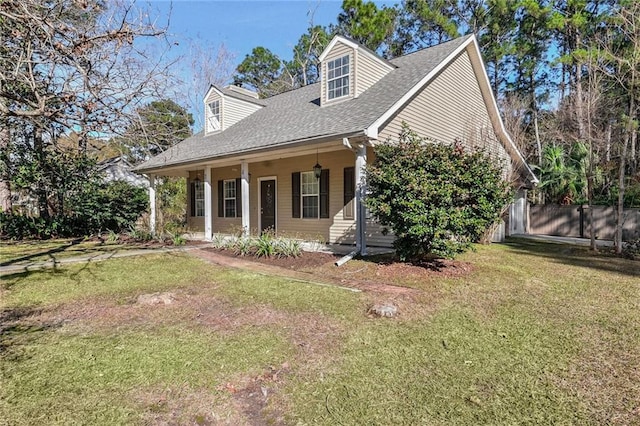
x=297 y=115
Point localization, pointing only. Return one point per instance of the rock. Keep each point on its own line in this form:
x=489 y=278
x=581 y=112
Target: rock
x=383 y=310
x=156 y=299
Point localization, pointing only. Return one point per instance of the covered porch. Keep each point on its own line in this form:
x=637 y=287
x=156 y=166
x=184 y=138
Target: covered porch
x=308 y=191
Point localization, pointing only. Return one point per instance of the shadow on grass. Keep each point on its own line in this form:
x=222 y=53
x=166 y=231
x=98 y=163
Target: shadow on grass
x=575 y=255
x=49 y=253
x=434 y=264
x=18 y=328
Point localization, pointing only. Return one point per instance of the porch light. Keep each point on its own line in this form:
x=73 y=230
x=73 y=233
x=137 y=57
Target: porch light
x=317 y=169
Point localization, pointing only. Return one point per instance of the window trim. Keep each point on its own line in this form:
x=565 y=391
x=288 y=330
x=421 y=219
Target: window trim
x=339 y=78
x=198 y=187
x=217 y=116
x=303 y=195
x=234 y=198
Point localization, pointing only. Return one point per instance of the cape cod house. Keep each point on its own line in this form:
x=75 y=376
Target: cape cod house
x=294 y=162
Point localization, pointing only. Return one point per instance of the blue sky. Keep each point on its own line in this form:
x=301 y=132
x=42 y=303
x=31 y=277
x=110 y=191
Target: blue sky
x=243 y=25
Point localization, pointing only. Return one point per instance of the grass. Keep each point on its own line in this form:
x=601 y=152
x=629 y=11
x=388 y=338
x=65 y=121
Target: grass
x=22 y=253
x=535 y=334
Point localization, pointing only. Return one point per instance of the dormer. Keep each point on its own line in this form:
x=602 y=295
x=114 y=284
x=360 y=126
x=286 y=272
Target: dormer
x=348 y=69
x=225 y=107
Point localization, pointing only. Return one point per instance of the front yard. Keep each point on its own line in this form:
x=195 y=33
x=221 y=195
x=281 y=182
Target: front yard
x=523 y=333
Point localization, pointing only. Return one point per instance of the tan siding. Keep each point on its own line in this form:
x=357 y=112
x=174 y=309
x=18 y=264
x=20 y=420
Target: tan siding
x=451 y=107
x=223 y=224
x=338 y=50
x=368 y=71
x=235 y=110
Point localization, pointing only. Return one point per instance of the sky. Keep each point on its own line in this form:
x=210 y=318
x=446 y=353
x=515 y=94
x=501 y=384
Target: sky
x=243 y=25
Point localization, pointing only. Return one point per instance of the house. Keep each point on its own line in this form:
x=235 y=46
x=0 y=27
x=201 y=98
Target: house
x=294 y=162
x=118 y=168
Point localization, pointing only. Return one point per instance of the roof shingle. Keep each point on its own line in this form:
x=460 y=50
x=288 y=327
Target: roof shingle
x=297 y=115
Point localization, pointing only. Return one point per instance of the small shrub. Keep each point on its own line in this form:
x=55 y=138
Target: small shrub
x=178 y=240
x=287 y=247
x=265 y=245
x=218 y=241
x=113 y=237
x=243 y=246
x=140 y=234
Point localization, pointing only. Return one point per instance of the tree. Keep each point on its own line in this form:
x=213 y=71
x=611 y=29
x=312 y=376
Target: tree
x=73 y=66
x=436 y=198
x=159 y=125
x=424 y=23
x=366 y=23
x=305 y=65
x=207 y=65
x=263 y=71
x=496 y=39
x=621 y=62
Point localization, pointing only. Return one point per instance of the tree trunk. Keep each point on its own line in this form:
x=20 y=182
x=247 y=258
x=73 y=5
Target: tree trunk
x=537 y=130
x=621 y=188
x=579 y=103
x=5 y=185
x=38 y=147
x=629 y=126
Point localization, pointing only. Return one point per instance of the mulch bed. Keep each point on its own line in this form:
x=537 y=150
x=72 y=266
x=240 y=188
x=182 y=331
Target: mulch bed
x=378 y=269
x=305 y=261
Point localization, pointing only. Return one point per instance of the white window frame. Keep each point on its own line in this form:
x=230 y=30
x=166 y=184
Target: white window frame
x=338 y=72
x=227 y=198
x=198 y=189
x=214 y=122
x=316 y=183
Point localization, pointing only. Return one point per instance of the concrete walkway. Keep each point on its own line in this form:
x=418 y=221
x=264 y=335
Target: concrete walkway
x=54 y=263
x=564 y=240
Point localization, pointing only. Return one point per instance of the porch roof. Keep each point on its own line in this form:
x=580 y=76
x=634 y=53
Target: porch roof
x=296 y=116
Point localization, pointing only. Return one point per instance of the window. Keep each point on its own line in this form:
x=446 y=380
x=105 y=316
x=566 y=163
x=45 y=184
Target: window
x=230 y=198
x=310 y=195
x=213 y=119
x=338 y=77
x=197 y=198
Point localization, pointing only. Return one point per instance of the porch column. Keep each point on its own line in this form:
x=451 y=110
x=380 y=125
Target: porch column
x=244 y=175
x=208 y=208
x=152 y=204
x=361 y=191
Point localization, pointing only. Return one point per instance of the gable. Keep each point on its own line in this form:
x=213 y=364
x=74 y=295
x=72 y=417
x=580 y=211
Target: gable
x=335 y=51
x=451 y=107
x=365 y=69
x=229 y=106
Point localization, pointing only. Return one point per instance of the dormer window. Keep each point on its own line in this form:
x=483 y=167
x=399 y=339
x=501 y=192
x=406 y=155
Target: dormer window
x=213 y=120
x=338 y=78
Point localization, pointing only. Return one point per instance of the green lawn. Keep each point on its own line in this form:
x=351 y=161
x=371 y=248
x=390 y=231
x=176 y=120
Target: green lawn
x=534 y=334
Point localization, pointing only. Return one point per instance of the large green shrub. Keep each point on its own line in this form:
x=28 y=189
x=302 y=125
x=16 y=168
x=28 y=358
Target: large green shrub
x=94 y=208
x=436 y=198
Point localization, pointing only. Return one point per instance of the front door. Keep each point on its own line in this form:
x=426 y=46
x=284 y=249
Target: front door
x=267 y=205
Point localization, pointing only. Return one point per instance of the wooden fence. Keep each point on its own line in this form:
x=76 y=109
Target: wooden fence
x=573 y=221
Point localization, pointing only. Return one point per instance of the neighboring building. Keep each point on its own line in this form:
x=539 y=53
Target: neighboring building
x=117 y=168
x=294 y=162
